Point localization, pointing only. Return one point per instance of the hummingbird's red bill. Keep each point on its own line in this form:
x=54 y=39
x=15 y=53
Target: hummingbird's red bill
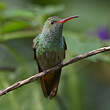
x=67 y=19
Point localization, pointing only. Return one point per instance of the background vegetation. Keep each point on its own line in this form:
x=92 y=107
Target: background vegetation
x=84 y=85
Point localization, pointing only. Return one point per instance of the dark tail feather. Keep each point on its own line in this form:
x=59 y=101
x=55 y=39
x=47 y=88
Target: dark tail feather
x=49 y=83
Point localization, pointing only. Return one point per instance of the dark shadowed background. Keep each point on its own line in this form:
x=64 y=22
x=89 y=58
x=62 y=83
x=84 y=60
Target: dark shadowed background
x=84 y=85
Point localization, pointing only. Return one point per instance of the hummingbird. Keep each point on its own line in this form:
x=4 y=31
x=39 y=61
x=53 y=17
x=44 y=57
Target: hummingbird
x=49 y=50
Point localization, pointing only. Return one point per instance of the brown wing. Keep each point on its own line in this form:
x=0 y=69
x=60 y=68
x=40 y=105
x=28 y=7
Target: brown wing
x=43 y=80
x=65 y=46
x=35 y=57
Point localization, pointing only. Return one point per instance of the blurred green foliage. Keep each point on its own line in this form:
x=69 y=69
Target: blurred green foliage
x=84 y=85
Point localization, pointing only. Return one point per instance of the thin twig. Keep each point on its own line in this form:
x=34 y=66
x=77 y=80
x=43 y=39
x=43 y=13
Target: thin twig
x=37 y=76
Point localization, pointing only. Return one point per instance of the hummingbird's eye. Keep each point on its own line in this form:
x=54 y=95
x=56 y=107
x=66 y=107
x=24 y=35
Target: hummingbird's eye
x=52 y=22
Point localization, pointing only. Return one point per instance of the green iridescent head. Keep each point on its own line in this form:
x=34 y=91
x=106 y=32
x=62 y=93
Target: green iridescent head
x=55 y=24
x=52 y=25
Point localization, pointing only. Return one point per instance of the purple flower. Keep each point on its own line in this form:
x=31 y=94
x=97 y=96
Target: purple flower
x=103 y=33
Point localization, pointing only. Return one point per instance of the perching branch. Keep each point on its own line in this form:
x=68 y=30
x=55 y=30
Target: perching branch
x=37 y=76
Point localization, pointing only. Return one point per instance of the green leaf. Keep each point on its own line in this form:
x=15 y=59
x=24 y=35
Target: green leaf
x=12 y=26
x=2 y=6
x=20 y=13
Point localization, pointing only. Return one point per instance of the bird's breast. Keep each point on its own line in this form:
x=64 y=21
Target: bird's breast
x=49 y=55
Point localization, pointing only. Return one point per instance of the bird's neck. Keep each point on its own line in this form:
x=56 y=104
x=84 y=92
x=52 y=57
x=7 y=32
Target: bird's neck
x=52 y=36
